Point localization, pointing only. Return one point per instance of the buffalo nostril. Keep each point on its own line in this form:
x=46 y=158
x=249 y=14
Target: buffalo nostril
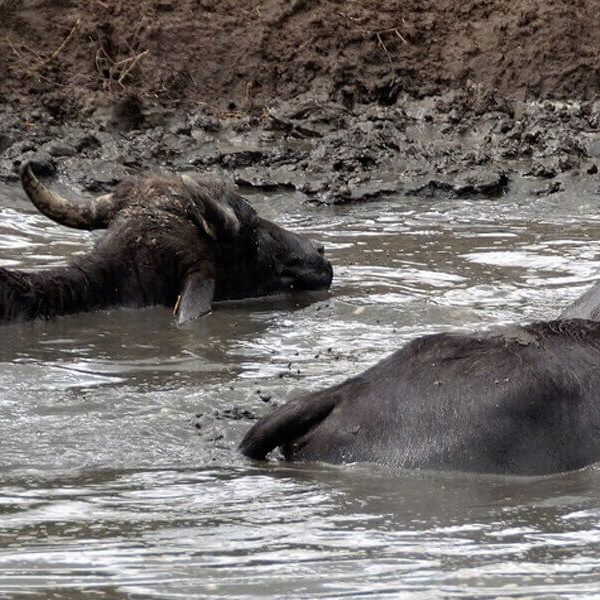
x=320 y=248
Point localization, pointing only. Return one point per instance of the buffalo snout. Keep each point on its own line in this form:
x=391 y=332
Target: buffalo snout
x=310 y=273
x=306 y=265
x=295 y=261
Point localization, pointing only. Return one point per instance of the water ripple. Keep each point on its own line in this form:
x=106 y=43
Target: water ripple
x=119 y=475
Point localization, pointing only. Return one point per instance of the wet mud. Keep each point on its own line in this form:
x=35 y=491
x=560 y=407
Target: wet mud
x=71 y=56
x=339 y=101
x=462 y=144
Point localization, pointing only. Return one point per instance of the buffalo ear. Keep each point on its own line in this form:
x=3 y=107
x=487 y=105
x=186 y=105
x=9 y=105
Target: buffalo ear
x=196 y=297
x=219 y=219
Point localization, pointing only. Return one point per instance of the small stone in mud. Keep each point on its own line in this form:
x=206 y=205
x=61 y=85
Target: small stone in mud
x=101 y=175
x=543 y=171
x=127 y=113
x=552 y=188
x=265 y=397
x=592 y=170
x=58 y=148
x=83 y=141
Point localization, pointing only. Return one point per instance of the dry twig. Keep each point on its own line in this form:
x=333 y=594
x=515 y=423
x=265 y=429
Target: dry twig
x=117 y=70
x=134 y=60
x=12 y=46
x=384 y=47
x=376 y=32
x=63 y=45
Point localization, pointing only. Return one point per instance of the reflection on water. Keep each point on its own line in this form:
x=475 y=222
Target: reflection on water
x=119 y=475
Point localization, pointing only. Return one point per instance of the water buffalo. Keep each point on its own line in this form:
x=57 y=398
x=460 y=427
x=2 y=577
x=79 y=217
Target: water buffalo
x=586 y=306
x=519 y=400
x=175 y=240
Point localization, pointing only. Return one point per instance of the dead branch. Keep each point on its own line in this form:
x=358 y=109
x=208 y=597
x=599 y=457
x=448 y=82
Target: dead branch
x=63 y=45
x=133 y=63
x=384 y=47
x=117 y=70
x=400 y=36
x=377 y=32
x=17 y=53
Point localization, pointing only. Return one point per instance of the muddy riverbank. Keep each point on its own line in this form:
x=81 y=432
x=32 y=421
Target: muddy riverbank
x=464 y=144
x=72 y=56
x=337 y=101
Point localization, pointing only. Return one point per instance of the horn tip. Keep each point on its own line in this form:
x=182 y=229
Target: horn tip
x=29 y=181
x=25 y=171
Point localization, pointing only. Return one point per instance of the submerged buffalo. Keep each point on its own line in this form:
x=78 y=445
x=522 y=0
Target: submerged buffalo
x=178 y=241
x=585 y=307
x=520 y=400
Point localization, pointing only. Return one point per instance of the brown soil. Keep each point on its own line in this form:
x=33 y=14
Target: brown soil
x=72 y=55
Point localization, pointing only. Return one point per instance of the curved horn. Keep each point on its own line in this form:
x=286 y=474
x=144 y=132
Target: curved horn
x=220 y=216
x=85 y=214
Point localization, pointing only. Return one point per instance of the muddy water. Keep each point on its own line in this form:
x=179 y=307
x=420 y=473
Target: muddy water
x=119 y=476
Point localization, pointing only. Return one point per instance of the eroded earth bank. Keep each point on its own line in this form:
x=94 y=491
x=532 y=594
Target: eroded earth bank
x=341 y=101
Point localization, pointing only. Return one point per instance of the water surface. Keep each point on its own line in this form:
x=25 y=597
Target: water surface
x=119 y=475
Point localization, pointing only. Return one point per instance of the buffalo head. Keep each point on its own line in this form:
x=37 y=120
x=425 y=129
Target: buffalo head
x=177 y=240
